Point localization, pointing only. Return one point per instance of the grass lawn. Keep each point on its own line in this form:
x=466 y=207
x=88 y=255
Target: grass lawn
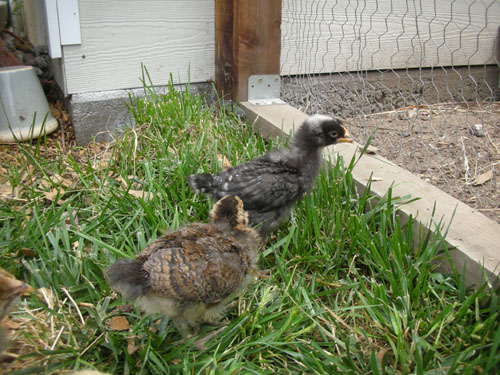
x=348 y=291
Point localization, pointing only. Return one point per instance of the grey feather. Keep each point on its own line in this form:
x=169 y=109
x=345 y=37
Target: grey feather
x=271 y=184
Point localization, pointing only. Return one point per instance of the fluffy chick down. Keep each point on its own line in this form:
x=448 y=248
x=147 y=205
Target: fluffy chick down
x=271 y=184
x=191 y=274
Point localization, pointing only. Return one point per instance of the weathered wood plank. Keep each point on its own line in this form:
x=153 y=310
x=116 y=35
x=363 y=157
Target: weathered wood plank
x=224 y=48
x=118 y=35
x=474 y=238
x=257 y=42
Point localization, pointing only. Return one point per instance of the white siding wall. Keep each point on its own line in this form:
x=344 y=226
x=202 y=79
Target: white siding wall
x=318 y=36
x=167 y=36
x=323 y=36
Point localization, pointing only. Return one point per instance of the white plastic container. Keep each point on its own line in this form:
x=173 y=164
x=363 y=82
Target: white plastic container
x=24 y=111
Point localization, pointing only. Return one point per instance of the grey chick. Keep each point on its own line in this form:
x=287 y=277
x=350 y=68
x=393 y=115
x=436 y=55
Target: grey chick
x=10 y=290
x=270 y=185
x=191 y=274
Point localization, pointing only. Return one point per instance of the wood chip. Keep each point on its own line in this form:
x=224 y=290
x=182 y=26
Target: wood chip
x=119 y=323
x=483 y=178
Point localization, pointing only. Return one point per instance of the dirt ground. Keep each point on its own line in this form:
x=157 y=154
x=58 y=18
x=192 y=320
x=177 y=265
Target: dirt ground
x=453 y=145
x=437 y=144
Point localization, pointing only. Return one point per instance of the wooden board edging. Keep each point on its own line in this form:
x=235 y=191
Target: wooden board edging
x=474 y=238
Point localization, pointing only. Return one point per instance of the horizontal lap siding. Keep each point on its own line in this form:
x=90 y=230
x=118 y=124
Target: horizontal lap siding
x=319 y=36
x=323 y=36
x=118 y=35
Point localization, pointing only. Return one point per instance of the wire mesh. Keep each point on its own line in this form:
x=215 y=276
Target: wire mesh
x=425 y=72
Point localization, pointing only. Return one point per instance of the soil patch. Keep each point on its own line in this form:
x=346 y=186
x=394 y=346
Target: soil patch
x=453 y=145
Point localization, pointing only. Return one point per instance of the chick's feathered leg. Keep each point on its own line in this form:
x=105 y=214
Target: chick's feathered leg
x=200 y=343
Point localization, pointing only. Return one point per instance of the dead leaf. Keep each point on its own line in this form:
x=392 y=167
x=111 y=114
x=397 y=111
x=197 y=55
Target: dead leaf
x=176 y=361
x=374 y=179
x=70 y=220
x=6 y=190
x=44 y=184
x=226 y=164
x=119 y=323
x=52 y=195
x=122 y=181
x=27 y=252
x=60 y=180
x=141 y=194
x=381 y=354
x=131 y=348
x=483 y=178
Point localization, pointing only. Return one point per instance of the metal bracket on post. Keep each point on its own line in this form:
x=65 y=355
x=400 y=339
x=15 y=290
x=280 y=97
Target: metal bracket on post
x=264 y=89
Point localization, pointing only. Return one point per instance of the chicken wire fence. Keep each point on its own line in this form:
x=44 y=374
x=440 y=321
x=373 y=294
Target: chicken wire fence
x=425 y=73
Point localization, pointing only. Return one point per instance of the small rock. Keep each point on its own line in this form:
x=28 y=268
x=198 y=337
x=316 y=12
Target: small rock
x=424 y=114
x=477 y=130
x=379 y=95
x=41 y=62
x=38 y=71
x=41 y=50
x=412 y=113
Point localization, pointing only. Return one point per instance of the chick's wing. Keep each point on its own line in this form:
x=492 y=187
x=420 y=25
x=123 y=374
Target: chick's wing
x=261 y=184
x=196 y=264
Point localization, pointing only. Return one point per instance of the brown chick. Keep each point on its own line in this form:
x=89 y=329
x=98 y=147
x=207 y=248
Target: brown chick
x=191 y=274
x=10 y=289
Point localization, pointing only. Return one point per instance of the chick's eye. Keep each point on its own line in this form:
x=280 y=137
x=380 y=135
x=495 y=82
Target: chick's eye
x=333 y=134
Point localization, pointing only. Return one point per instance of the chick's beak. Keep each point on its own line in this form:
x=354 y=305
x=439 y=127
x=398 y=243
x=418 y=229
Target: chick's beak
x=346 y=138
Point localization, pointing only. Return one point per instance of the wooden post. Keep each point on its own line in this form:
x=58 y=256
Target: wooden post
x=254 y=45
x=224 y=48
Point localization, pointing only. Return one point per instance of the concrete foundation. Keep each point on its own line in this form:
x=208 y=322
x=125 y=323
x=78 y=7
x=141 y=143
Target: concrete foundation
x=100 y=116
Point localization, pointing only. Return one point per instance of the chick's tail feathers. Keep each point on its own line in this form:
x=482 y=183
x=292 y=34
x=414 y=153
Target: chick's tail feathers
x=128 y=277
x=201 y=183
